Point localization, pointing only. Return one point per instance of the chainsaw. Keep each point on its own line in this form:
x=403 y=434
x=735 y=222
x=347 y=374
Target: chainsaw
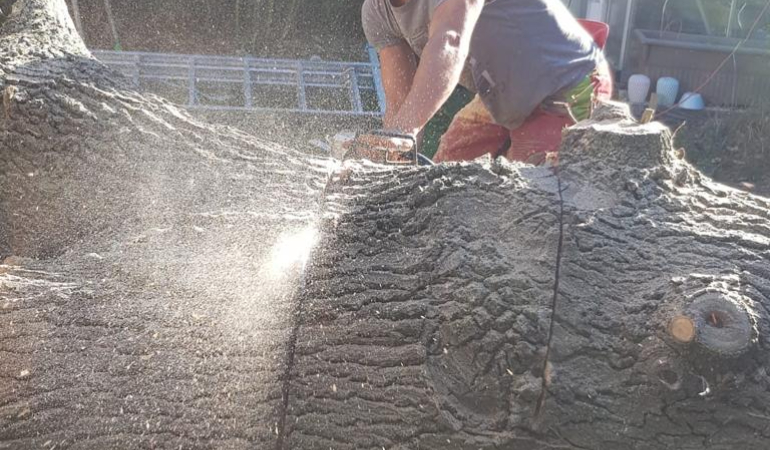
x=351 y=145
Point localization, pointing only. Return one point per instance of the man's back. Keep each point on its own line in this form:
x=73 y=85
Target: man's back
x=522 y=51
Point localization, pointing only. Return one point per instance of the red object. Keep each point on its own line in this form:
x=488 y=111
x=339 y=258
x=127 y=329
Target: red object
x=541 y=133
x=600 y=31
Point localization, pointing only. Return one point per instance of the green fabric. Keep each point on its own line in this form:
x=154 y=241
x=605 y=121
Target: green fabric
x=438 y=125
x=580 y=99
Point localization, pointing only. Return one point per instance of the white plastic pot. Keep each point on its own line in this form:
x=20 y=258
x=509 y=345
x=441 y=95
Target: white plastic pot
x=667 y=89
x=638 y=88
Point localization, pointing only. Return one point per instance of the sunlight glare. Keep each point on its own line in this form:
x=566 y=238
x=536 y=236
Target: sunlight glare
x=292 y=250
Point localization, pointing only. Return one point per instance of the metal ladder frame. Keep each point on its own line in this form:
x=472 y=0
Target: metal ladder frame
x=354 y=78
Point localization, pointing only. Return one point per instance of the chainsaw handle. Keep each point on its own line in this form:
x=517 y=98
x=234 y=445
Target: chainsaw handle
x=398 y=135
x=394 y=134
x=416 y=158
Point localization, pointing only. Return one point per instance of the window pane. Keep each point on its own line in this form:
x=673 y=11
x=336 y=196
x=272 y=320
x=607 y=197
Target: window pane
x=715 y=17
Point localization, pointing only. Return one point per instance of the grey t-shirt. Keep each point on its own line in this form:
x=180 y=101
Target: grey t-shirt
x=522 y=51
x=386 y=25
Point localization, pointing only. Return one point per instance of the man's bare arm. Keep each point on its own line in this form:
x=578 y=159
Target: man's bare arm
x=441 y=65
x=399 y=64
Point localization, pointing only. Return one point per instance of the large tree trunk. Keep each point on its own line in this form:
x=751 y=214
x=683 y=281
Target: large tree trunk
x=172 y=284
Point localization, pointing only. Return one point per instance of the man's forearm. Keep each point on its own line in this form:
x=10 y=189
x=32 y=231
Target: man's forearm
x=443 y=59
x=436 y=77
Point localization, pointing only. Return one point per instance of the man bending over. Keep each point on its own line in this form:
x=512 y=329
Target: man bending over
x=533 y=67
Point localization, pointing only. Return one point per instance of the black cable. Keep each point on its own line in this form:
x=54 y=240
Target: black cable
x=539 y=408
x=423 y=160
x=503 y=148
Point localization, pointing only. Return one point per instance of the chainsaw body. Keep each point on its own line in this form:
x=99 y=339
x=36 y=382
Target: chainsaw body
x=350 y=145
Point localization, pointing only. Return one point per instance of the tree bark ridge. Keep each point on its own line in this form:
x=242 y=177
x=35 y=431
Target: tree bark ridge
x=161 y=266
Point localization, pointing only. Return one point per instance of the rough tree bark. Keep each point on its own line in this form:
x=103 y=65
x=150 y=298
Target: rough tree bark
x=172 y=284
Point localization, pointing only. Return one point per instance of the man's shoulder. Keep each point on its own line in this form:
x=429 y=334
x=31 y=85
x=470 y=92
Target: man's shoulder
x=373 y=11
x=379 y=24
x=372 y=8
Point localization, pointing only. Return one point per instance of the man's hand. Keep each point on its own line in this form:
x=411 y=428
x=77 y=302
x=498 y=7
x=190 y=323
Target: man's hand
x=380 y=147
x=386 y=140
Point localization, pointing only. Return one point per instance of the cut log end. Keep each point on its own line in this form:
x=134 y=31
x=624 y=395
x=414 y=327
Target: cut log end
x=682 y=329
x=722 y=325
